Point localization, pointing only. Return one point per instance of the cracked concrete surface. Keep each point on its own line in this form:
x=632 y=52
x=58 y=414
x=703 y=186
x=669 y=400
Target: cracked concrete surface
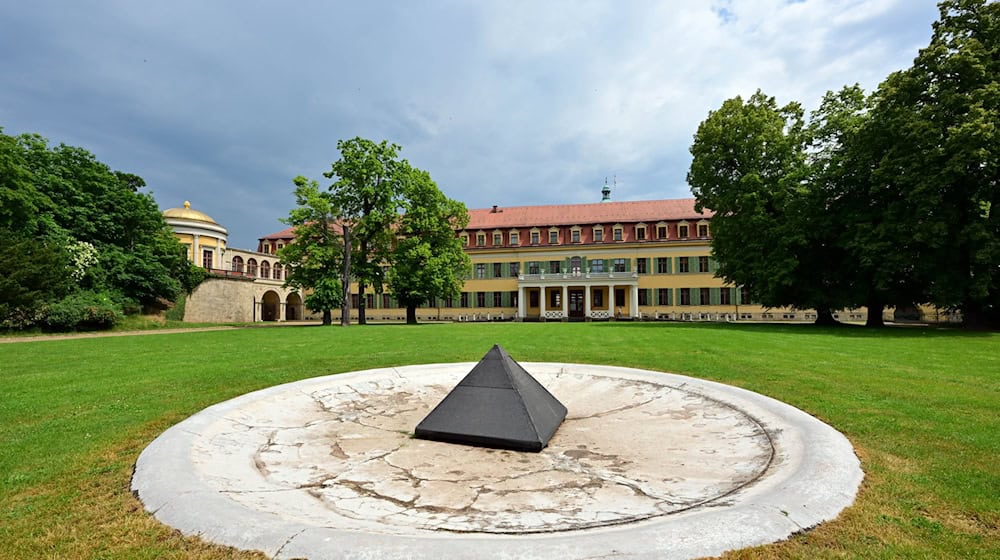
x=638 y=450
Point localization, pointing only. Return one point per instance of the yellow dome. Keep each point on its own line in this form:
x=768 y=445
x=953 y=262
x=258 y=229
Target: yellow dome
x=187 y=213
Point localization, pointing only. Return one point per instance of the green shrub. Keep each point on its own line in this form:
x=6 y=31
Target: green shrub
x=82 y=311
x=176 y=313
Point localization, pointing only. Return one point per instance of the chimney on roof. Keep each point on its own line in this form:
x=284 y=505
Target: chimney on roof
x=494 y=211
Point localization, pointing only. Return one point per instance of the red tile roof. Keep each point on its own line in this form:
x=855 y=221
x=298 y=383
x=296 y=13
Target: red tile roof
x=650 y=211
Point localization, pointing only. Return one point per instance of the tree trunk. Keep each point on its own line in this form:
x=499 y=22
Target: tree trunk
x=345 y=305
x=363 y=250
x=411 y=314
x=327 y=317
x=875 y=308
x=825 y=317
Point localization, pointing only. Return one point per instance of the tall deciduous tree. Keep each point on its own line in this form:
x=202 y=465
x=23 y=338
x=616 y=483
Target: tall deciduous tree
x=313 y=259
x=428 y=260
x=368 y=182
x=941 y=121
x=750 y=168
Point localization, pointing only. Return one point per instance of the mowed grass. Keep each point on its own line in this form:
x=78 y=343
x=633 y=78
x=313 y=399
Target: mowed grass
x=920 y=405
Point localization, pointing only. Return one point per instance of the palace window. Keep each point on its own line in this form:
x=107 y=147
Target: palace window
x=463 y=301
x=480 y=299
x=281 y=246
x=480 y=270
x=643 y=297
x=685 y=296
x=386 y=301
x=555 y=299
x=597 y=265
x=640 y=266
x=724 y=297
x=513 y=298
x=465 y=240
x=702 y=230
x=497 y=239
x=662 y=265
x=480 y=240
x=534 y=238
x=663 y=294
x=497 y=270
x=533 y=298
x=575 y=235
x=553 y=237
x=618 y=234
x=598 y=235
x=514 y=238
x=640 y=233
x=745 y=296
x=206 y=259
x=277 y=271
x=619 y=297
x=683 y=264
x=266 y=248
x=599 y=298
x=575 y=263
x=682 y=231
x=497 y=299
x=265 y=269
x=702 y=264
x=252 y=267
x=619 y=265
x=706 y=296
x=237 y=264
x=515 y=269
x=533 y=267
x=661 y=232
x=554 y=267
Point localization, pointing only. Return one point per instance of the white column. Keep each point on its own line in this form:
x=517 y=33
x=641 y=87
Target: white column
x=541 y=302
x=634 y=305
x=195 y=257
x=521 y=313
x=586 y=301
x=565 y=301
x=611 y=301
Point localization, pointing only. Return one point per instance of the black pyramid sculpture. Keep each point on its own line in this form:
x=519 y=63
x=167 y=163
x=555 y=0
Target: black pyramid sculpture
x=497 y=404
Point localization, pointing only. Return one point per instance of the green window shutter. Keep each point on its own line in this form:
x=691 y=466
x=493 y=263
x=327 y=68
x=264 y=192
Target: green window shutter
x=670 y=297
x=649 y=265
x=583 y=264
x=670 y=266
x=567 y=265
x=714 y=297
x=695 y=296
x=739 y=296
x=505 y=299
x=628 y=265
x=733 y=294
x=649 y=296
x=713 y=265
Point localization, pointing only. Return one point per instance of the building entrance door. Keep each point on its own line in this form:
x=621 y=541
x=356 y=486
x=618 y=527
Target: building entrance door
x=576 y=303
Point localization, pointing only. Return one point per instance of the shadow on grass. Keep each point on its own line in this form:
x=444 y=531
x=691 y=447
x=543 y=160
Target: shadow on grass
x=844 y=329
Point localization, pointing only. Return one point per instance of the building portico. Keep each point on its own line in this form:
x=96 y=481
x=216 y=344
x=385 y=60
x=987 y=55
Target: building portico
x=578 y=295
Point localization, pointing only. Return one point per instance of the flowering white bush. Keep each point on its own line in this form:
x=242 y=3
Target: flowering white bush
x=84 y=256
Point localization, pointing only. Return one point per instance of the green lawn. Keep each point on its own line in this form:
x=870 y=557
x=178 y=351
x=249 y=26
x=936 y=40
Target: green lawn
x=921 y=405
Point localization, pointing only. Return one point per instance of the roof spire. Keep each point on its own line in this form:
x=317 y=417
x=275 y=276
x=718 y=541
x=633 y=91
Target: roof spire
x=606 y=191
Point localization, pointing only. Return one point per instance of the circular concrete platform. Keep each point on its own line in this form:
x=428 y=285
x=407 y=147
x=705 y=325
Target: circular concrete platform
x=646 y=465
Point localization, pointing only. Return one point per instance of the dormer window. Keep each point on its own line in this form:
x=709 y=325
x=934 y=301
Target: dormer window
x=465 y=240
x=535 y=235
x=480 y=239
x=662 y=231
x=553 y=236
x=703 y=228
x=682 y=230
x=497 y=238
x=514 y=238
x=640 y=232
x=599 y=234
x=575 y=235
x=617 y=233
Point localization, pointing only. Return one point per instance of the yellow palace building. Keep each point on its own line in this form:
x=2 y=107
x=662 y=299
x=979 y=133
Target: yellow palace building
x=583 y=262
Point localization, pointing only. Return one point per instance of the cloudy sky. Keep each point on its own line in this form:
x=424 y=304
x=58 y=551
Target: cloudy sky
x=503 y=101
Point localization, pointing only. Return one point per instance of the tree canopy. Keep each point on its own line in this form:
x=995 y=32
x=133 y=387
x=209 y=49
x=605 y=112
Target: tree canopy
x=313 y=260
x=887 y=199
x=62 y=201
x=428 y=260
